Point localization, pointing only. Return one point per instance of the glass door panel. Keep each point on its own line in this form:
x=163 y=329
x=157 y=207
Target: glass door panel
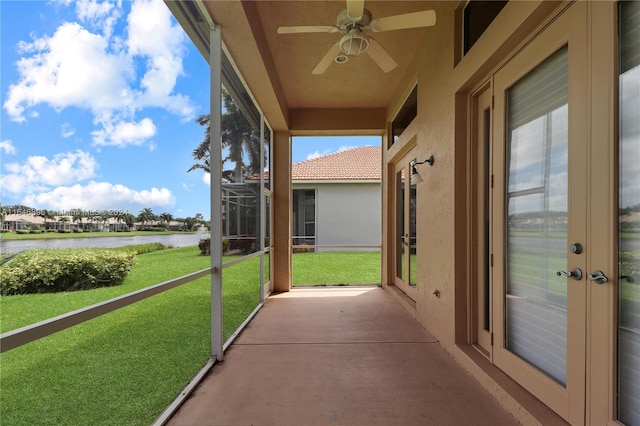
x=629 y=216
x=412 y=247
x=401 y=272
x=536 y=217
x=405 y=199
x=480 y=209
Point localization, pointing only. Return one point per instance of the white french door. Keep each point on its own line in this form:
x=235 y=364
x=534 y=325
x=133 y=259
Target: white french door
x=405 y=233
x=555 y=150
x=539 y=220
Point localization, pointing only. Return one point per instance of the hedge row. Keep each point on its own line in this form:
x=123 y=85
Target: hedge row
x=52 y=270
x=142 y=248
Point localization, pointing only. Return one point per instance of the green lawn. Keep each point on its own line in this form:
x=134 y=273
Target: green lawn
x=125 y=367
x=336 y=268
x=150 y=269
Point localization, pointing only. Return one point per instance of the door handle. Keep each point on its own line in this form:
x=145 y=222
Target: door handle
x=598 y=277
x=575 y=273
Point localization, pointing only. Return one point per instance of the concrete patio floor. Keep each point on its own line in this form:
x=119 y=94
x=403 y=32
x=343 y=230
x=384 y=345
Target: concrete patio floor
x=338 y=356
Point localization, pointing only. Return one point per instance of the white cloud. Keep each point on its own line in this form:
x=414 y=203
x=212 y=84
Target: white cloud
x=66 y=130
x=54 y=183
x=92 y=69
x=38 y=172
x=123 y=133
x=152 y=36
x=101 y=196
x=7 y=147
x=71 y=68
x=317 y=154
x=98 y=14
x=206 y=178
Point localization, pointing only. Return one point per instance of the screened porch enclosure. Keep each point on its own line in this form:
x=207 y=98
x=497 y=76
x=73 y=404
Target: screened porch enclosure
x=241 y=218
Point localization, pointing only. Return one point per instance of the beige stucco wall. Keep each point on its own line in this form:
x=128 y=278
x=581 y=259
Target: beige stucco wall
x=444 y=83
x=440 y=129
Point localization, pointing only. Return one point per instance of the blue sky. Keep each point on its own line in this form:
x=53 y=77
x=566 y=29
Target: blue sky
x=99 y=101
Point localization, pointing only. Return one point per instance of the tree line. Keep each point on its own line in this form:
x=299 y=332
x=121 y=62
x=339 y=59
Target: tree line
x=146 y=217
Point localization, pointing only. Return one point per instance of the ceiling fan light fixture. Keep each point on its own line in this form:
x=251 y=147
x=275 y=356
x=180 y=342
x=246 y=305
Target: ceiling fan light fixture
x=354 y=43
x=341 y=59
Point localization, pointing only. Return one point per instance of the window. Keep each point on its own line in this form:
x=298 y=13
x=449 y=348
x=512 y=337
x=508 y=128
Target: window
x=405 y=116
x=304 y=217
x=477 y=16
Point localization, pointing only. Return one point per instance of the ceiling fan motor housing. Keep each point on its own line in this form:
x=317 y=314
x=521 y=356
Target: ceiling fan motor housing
x=354 y=43
x=346 y=22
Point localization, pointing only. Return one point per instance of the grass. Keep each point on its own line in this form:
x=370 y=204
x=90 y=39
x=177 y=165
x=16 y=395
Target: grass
x=336 y=268
x=125 y=367
x=152 y=268
x=54 y=235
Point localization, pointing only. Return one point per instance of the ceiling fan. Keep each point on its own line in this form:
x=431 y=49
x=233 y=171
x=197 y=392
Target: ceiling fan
x=353 y=23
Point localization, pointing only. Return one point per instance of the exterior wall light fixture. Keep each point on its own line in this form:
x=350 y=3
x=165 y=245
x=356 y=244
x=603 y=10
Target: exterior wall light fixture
x=415 y=176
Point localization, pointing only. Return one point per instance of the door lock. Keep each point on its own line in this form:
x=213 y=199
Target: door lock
x=576 y=248
x=598 y=277
x=575 y=273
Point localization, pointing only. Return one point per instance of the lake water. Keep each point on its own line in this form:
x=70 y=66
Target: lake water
x=176 y=240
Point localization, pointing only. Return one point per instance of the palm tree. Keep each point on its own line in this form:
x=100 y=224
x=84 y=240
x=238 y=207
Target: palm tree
x=146 y=215
x=46 y=214
x=129 y=220
x=2 y=216
x=190 y=222
x=77 y=215
x=237 y=135
x=166 y=218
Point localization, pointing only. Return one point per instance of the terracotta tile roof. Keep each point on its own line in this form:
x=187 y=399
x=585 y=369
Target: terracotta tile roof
x=362 y=163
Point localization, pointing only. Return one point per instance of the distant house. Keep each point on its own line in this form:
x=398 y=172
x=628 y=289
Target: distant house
x=337 y=200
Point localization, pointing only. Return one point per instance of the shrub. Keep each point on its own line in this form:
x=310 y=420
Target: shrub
x=78 y=230
x=22 y=231
x=302 y=249
x=36 y=231
x=154 y=228
x=142 y=248
x=205 y=246
x=64 y=231
x=53 y=270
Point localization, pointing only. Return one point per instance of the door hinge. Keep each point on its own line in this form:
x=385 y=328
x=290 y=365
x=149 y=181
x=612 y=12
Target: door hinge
x=491 y=181
x=491 y=339
x=491 y=260
x=493 y=102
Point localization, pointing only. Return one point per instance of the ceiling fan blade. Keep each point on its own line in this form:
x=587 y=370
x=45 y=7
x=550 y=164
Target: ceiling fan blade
x=355 y=9
x=425 y=18
x=327 y=60
x=308 y=29
x=380 y=56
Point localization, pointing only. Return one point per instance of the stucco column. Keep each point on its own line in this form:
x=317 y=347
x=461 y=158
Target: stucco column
x=281 y=211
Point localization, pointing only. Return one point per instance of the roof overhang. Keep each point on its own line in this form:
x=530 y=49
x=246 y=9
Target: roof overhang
x=350 y=98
